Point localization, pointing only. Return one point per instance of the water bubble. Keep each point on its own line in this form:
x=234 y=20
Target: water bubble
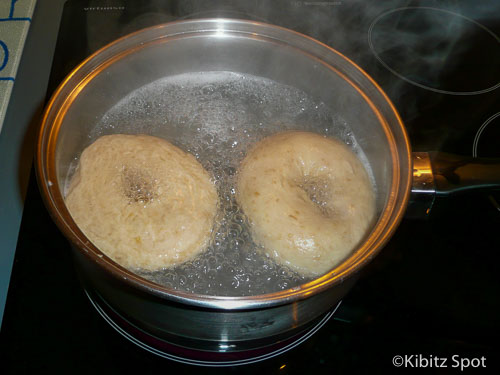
x=182 y=280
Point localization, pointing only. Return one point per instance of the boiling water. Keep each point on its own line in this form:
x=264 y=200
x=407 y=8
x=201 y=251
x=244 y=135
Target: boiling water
x=217 y=116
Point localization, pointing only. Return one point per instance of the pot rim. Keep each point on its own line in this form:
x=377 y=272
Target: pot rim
x=99 y=60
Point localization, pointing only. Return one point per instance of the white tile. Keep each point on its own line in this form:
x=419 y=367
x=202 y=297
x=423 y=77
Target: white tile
x=15 y=19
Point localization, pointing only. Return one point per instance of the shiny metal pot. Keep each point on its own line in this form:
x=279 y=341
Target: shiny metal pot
x=203 y=321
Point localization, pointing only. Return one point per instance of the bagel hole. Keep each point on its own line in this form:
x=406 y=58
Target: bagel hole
x=139 y=186
x=317 y=190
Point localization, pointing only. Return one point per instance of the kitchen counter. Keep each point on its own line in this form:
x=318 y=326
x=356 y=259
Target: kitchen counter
x=19 y=127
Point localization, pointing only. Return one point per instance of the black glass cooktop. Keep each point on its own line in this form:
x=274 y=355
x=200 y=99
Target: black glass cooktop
x=432 y=292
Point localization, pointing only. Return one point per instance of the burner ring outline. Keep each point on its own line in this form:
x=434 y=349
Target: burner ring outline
x=425 y=87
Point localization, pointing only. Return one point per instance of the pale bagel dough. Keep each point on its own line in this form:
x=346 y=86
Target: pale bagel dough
x=142 y=201
x=308 y=199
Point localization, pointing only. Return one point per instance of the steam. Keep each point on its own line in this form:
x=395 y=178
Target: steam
x=404 y=45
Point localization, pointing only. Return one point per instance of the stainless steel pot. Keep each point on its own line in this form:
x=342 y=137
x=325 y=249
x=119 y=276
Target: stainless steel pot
x=208 y=322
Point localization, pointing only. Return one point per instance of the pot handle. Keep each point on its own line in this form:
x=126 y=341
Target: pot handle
x=456 y=174
x=441 y=174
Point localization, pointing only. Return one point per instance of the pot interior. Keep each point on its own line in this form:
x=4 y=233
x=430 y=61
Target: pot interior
x=214 y=88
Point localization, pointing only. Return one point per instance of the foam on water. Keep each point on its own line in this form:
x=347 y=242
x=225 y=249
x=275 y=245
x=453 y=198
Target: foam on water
x=217 y=116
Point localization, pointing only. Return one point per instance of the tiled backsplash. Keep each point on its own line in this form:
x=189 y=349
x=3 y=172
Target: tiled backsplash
x=15 y=20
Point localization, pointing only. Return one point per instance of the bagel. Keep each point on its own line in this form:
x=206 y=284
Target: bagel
x=308 y=199
x=142 y=201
